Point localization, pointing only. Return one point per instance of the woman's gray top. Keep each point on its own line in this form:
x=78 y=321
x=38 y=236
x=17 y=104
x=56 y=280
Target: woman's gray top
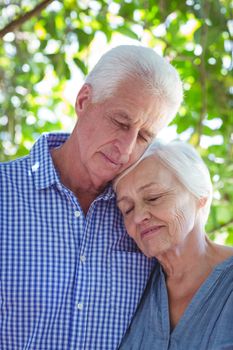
x=207 y=323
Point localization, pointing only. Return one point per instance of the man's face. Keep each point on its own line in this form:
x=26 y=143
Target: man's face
x=113 y=134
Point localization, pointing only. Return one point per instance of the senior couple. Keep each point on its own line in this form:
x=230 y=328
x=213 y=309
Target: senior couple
x=90 y=264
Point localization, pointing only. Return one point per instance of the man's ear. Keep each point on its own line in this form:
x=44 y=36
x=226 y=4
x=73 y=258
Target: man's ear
x=202 y=202
x=84 y=97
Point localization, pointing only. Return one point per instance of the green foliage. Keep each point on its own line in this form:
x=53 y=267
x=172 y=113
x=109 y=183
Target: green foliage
x=36 y=62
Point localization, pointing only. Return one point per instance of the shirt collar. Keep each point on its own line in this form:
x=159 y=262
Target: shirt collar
x=42 y=168
x=107 y=194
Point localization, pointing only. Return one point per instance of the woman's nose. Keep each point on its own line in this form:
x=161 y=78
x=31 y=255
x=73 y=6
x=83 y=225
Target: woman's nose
x=141 y=214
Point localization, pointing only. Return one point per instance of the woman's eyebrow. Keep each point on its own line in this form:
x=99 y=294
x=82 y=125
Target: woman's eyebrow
x=147 y=185
x=124 y=198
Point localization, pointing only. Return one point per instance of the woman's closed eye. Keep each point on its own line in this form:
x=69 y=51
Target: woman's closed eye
x=153 y=198
x=125 y=210
x=128 y=211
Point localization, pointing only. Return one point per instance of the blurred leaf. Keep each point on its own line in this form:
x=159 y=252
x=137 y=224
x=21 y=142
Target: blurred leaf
x=127 y=31
x=81 y=65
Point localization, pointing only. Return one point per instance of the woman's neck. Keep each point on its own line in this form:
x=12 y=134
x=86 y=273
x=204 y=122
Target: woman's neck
x=187 y=268
x=197 y=255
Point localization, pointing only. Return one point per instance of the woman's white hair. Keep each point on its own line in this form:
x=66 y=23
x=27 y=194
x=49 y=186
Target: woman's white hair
x=186 y=164
x=137 y=63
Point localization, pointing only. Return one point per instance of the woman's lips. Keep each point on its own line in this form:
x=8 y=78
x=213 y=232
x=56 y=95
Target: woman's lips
x=150 y=231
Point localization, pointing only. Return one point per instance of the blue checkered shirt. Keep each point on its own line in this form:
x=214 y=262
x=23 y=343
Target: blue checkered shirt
x=67 y=281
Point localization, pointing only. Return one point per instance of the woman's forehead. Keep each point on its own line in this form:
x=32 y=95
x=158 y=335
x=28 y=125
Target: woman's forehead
x=149 y=172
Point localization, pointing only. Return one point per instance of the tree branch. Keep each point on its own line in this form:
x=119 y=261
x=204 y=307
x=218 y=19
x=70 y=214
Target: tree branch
x=22 y=19
x=163 y=11
x=202 y=68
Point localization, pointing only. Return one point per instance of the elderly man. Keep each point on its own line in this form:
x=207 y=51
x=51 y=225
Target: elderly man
x=70 y=276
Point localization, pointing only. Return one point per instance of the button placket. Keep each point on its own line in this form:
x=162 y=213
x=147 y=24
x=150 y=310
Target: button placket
x=83 y=258
x=80 y=306
x=77 y=213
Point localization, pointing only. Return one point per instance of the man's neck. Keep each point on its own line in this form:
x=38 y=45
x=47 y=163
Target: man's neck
x=71 y=176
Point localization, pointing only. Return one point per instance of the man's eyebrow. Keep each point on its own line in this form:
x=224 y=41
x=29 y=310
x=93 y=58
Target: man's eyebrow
x=123 y=115
x=129 y=119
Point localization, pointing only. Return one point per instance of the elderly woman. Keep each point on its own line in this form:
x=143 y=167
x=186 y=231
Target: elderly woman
x=188 y=304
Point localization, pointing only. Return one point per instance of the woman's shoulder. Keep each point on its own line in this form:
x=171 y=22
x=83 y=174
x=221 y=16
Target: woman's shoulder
x=222 y=255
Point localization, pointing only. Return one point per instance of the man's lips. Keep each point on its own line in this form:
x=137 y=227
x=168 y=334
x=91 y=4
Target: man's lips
x=110 y=160
x=150 y=230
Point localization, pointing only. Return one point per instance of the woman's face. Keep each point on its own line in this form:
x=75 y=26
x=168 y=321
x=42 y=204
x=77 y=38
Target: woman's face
x=158 y=211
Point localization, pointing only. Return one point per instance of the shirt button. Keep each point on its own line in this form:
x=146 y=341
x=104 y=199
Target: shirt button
x=83 y=258
x=80 y=306
x=77 y=213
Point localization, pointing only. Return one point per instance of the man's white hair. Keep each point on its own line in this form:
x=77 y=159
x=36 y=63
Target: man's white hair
x=138 y=64
x=186 y=164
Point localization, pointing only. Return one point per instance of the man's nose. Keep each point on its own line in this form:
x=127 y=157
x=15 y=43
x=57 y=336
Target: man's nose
x=127 y=145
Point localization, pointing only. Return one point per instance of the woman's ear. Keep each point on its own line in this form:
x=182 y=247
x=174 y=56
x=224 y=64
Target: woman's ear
x=202 y=202
x=84 y=97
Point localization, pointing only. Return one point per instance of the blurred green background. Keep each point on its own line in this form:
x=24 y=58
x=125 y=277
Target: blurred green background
x=47 y=47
